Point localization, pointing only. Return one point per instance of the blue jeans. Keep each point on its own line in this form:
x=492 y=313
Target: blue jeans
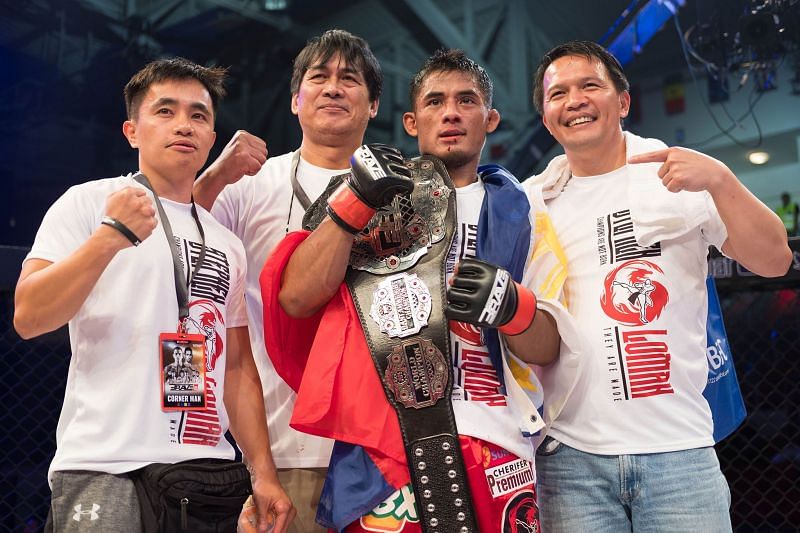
x=681 y=491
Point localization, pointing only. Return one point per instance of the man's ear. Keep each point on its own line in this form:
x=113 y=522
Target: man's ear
x=410 y=123
x=129 y=131
x=624 y=103
x=493 y=120
x=373 y=108
x=294 y=104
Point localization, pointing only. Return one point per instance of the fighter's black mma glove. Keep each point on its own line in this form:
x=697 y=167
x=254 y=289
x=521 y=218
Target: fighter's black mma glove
x=485 y=295
x=377 y=174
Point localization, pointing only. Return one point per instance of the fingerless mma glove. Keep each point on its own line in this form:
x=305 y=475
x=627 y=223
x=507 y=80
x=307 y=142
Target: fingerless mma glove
x=485 y=295
x=377 y=174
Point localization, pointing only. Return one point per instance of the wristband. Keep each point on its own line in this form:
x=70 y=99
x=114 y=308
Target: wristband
x=526 y=310
x=348 y=211
x=122 y=228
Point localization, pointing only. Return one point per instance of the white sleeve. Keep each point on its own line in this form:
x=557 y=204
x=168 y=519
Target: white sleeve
x=227 y=208
x=236 y=309
x=714 y=230
x=68 y=223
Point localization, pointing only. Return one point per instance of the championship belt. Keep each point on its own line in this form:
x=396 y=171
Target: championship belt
x=397 y=280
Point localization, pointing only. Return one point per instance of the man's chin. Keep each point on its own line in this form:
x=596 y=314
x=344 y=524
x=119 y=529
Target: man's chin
x=179 y=168
x=452 y=158
x=581 y=140
x=339 y=126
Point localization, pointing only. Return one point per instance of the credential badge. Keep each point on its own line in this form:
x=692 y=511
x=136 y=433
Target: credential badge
x=401 y=305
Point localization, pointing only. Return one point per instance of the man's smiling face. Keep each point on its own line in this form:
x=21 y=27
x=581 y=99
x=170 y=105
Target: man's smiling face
x=582 y=108
x=333 y=99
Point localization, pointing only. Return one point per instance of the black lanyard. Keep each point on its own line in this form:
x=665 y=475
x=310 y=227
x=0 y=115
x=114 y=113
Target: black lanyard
x=297 y=189
x=181 y=290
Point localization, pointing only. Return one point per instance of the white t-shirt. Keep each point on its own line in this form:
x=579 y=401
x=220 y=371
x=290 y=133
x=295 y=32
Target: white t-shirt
x=257 y=210
x=642 y=314
x=480 y=408
x=112 y=420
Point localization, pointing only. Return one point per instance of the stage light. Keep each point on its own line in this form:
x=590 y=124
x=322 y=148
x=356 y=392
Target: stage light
x=758 y=158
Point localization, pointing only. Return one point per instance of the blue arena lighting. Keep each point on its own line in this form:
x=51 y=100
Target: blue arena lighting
x=645 y=22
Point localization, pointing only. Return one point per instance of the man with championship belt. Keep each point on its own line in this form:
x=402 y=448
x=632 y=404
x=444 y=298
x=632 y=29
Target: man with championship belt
x=336 y=87
x=398 y=248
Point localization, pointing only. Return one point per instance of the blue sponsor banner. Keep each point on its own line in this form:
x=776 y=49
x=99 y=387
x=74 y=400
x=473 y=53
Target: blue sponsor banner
x=722 y=390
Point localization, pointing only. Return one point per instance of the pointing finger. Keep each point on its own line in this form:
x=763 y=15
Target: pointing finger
x=659 y=156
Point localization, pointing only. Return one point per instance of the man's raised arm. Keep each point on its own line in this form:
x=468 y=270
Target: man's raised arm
x=756 y=235
x=242 y=156
x=49 y=294
x=318 y=265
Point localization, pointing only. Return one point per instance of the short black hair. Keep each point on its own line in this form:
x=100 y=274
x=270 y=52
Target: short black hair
x=587 y=49
x=175 y=68
x=354 y=50
x=451 y=60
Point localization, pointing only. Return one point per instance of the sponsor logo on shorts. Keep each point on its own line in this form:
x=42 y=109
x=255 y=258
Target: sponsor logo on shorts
x=81 y=513
x=521 y=514
x=392 y=515
x=491 y=455
x=509 y=477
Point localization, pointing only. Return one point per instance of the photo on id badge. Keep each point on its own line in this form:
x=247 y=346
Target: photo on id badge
x=183 y=377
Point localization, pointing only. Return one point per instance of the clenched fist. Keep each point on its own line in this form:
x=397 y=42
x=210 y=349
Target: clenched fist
x=485 y=295
x=242 y=156
x=133 y=208
x=377 y=175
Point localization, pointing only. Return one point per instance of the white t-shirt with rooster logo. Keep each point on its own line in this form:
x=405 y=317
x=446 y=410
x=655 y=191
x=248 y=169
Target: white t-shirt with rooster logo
x=642 y=313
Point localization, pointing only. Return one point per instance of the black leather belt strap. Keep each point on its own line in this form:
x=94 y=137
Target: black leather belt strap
x=417 y=371
x=417 y=376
